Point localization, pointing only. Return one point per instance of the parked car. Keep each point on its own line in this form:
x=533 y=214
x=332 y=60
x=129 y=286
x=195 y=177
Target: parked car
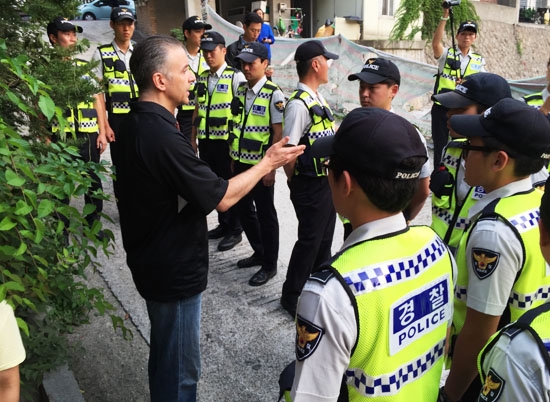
x=101 y=9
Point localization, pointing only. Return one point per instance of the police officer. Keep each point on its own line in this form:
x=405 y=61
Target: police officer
x=379 y=81
x=514 y=365
x=371 y=323
x=501 y=273
x=452 y=197
x=307 y=118
x=193 y=28
x=114 y=71
x=540 y=100
x=258 y=116
x=82 y=118
x=215 y=90
x=453 y=66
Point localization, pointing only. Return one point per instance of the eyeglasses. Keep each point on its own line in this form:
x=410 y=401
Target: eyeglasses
x=467 y=147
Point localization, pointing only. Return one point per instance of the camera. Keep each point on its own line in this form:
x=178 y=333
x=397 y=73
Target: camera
x=450 y=3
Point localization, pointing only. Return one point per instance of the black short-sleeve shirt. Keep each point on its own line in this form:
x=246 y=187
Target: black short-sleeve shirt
x=164 y=194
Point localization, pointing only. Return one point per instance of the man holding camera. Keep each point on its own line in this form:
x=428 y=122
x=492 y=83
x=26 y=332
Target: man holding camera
x=454 y=64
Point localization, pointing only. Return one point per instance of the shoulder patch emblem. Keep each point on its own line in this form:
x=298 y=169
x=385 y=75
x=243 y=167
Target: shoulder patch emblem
x=484 y=262
x=492 y=389
x=280 y=106
x=308 y=336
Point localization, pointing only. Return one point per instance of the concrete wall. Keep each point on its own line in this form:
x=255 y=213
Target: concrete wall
x=495 y=12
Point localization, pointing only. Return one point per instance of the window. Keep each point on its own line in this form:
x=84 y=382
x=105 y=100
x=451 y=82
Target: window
x=387 y=7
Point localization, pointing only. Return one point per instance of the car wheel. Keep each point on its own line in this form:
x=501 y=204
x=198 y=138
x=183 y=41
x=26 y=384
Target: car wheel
x=88 y=17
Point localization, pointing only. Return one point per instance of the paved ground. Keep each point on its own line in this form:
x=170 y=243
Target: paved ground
x=247 y=338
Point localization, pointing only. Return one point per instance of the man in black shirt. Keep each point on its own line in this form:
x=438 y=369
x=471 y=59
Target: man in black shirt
x=165 y=193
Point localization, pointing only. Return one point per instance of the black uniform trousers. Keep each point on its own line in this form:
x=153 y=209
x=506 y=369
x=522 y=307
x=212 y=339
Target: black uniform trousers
x=440 y=132
x=259 y=220
x=216 y=154
x=314 y=209
x=115 y=120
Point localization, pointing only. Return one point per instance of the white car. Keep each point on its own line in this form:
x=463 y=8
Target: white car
x=101 y=9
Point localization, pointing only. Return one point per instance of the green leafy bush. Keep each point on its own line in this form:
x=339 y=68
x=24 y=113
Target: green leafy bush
x=43 y=262
x=414 y=16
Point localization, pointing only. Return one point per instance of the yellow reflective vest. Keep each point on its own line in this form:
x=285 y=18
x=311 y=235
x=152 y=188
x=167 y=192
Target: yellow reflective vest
x=532 y=285
x=537 y=322
x=401 y=287
x=252 y=135
x=535 y=100
x=120 y=85
x=214 y=113
x=323 y=126
x=446 y=80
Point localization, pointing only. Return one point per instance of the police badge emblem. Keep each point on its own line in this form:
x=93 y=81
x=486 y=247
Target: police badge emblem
x=484 y=262
x=492 y=389
x=280 y=106
x=308 y=336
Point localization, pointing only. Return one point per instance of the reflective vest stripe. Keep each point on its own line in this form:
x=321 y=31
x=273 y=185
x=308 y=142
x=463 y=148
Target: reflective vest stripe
x=535 y=100
x=385 y=274
x=390 y=383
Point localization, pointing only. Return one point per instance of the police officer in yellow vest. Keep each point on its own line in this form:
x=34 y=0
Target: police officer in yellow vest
x=451 y=196
x=114 y=71
x=215 y=90
x=258 y=116
x=379 y=81
x=541 y=100
x=82 y=119
x=501 y=273
x=515 y=363
x=307 y=118
x=371 y=322
x=453 y=66
x=193 y=28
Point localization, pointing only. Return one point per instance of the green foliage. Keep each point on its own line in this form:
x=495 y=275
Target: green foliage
x=46 y=245
x=178 y=34
x=414 y=16
x=528 y=15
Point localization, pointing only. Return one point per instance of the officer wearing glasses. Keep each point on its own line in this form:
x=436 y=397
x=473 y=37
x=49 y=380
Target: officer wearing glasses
x=501 y=272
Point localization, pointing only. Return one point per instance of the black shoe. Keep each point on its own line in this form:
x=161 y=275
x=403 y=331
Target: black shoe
x=261 y=277
x=251 y=261
x=229 y=241
x=289 y=306
x=217 y=233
